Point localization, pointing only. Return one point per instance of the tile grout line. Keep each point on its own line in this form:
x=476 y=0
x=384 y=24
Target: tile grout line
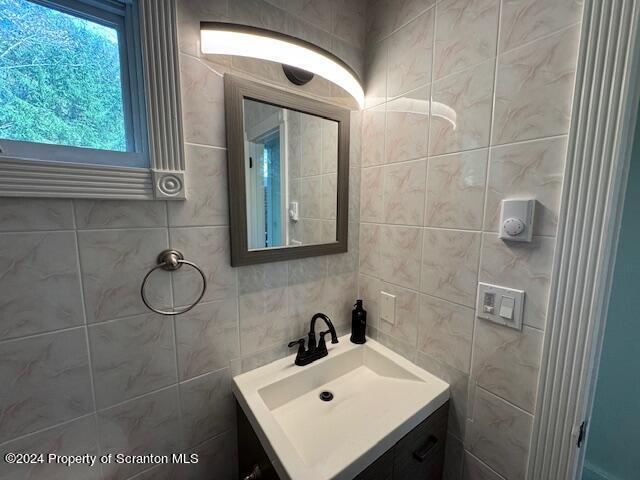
x=472 y=150
x=472 y=384
x=83 y=302
x=174 y=331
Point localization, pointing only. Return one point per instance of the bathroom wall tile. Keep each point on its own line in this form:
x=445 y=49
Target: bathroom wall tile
x=405 y=327
x=400 y=347
x=40 y=283
x=209 y=248
x=202 y=102
x=207 y=337
x=354 y=194
x=404 y=192
x=131 y=357
x=206 y=189
x=74 y=438
x=257 y=13
x=311 y=144
x=146 y=425
x=466 y=34
x=445 y=331
x=407 y=126
x=189 y=16
x=525 y=266
x=311 y=230
x=329 y=196
x=450 y=265
x=499 y=434
x=370 y=261
x=372 y=206
x=461 y=110
x=507 y=362
x=261 y=358
x=346 y=262
x=375 y=78
x=400 y=252
x=25 y=214
x=455 y=190
x=329 y=146
x=339 y=293
x=306 y=270
x=534 y=89
x=453 y=458
x=532 y=169
x=355 y=138
x=410 y=55
x=296 y=27
x=217 y=459
x=387 y=16
x=311 y=197
x=458 y=383
x=293 y=144
x=475 y=469
x=263 y=305
x=526 y=20
x=120 y=213
x=207 y=407
x=46 y=382
x=373 y=136
x=114 y=263
x=369 y=291
x=349 y=22
x=321 y=14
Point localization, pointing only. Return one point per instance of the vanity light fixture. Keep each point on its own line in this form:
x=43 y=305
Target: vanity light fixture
x=231 y=39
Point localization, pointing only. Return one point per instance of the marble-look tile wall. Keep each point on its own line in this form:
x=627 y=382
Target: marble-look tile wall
x=313 y=177
x=468 y=102
x=85 y=367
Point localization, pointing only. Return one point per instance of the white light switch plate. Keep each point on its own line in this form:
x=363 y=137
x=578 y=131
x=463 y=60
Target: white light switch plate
x=388 y=307
x=501 y=305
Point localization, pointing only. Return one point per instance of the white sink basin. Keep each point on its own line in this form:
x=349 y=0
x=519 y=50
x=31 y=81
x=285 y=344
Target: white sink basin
x=378 y=398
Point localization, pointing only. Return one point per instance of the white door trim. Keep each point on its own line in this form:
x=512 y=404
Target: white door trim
x=600 y=140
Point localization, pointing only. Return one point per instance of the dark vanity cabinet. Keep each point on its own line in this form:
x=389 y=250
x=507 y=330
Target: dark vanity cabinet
x=419 y=455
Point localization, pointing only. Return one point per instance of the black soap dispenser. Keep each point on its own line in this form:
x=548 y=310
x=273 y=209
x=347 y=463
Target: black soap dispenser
x=358 y=323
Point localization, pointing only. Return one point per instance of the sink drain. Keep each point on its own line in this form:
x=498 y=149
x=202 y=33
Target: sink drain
x=326 y=396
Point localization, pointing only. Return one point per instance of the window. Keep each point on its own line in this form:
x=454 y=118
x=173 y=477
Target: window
x=64 y=80
x=87 y=99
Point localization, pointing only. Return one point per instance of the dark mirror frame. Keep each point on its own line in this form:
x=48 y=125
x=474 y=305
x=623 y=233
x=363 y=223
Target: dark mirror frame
x=237 y=89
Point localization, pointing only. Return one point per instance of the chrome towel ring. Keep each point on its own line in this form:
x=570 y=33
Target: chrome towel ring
x=171 y=260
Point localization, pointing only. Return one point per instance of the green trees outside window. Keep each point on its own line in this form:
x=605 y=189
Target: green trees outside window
x=60 y=78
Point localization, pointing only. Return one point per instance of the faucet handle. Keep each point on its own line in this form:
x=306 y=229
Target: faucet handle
x=322 y=345
x=300 y=343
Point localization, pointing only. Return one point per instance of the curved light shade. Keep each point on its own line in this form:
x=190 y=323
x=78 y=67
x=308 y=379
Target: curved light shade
x=230 y=39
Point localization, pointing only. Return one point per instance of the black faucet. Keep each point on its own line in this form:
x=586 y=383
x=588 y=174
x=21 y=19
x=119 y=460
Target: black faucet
x=314 y=352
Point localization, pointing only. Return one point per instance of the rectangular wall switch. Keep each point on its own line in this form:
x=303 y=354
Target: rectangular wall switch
x=388 y=307
x=501 y=305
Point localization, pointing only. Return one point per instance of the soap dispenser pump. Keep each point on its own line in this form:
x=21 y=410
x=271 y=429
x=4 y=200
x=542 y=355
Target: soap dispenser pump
x=358 y=323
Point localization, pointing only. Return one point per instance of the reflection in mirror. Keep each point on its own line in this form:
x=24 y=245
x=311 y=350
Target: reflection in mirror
x=291 y=161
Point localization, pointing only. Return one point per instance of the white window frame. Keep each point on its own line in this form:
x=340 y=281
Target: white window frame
x=151 y=101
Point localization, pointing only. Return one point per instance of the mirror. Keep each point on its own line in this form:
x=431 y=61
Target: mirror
x=288 y=172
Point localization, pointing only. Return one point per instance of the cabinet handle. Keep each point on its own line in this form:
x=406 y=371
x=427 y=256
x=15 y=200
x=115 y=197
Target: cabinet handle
x=256 y=474
x=422 y=454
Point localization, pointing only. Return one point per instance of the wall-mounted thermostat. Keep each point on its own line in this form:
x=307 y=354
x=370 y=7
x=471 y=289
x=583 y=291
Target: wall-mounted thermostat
x=516 y=220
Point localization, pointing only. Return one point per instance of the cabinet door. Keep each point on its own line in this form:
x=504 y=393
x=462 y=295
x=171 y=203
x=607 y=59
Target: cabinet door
x=420 y=454
x=381 y=469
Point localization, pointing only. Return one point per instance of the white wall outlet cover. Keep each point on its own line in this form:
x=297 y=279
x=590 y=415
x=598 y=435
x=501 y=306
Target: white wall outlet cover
x=501 y=305
x=388 y=307
x=516 y=219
